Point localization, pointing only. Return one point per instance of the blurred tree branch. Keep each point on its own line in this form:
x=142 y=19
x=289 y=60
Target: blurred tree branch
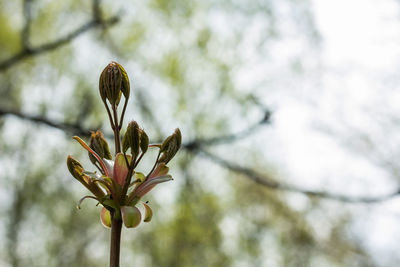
x=97 y=21
x=25 y=33
x=197 y=146
x=74 y=128
x=269 y=182
x=230 y=138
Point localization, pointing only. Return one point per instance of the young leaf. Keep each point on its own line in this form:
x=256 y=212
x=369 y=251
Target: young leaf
x=105 y=217
x=131 y=216
x=120 y=168
x=148 y=213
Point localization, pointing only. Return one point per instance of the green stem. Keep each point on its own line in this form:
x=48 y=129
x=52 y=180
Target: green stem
x=109 y=116
x=155 y=164
x=123 y=113
x=116 y=222
x=127 y=181
x=116 y=131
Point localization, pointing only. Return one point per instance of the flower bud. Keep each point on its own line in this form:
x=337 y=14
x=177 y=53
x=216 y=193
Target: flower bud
x=170 y=146
x=113 y=81
x=125 y=82
x=132 y=138
x=131 y=216
x=144 y=141
x=99 y=145
x=125 y=141
x=75 y=168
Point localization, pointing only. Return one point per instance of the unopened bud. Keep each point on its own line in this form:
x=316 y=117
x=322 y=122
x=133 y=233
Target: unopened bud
x=113 y=81
x=99 y=144
x=144 y=141
x=74 y=167
x=131 y=216
x=125 y=82
x=132 y=138
x=170 y=146
x=178 y=137
x=125 y=142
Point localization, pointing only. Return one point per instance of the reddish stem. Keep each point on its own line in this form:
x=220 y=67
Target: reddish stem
x=116 y=227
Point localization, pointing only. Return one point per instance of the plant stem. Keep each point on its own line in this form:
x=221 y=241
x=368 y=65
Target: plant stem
x=155 y=164
x=116 y=226
x=127 y=181
x=123 y=113
x=116 y=221
x=109 y=116
x=116 y=131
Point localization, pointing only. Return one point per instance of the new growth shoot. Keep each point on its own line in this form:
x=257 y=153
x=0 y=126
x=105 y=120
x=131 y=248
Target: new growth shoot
x=116 y=184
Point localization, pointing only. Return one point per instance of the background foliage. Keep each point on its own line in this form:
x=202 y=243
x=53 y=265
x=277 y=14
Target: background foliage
x=217 y=70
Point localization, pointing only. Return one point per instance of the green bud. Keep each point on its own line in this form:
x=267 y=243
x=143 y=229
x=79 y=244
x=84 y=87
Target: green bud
x=131 y=138
x=131 y=216
x=99 y=144
x=75 y=168
x=126 y=141
x=135 y=139
x=170 y=146
x=114 y=81
x=102 y=86
x=166 y=143
x=144 y=141
x=178 y=136
x=125 y=82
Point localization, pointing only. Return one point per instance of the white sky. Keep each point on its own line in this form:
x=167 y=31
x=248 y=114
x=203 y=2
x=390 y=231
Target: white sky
x=360 y=50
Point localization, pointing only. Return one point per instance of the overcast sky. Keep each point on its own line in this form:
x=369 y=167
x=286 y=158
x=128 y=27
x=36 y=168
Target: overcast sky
x=359 y=56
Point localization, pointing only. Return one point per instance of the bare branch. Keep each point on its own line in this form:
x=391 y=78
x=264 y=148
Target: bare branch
x=266 y=181
x=67 y=127
x=96 y=11
x=230 y=138
x=27 y=51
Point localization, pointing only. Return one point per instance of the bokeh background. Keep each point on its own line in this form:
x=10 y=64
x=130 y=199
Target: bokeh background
x=289 y=111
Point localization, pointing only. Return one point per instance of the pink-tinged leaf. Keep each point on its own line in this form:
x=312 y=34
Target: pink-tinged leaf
x=85 y=146
x=149 y=184
x=105 y=217
x=160 y=170
x=155 y=145
x=131 y=216
x=148 y=213
x=110 y=166
x=120 y=168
